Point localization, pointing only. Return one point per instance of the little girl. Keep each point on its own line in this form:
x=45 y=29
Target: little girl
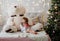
x=25 y=27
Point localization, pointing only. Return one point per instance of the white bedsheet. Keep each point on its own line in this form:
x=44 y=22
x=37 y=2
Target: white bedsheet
x=41 y=36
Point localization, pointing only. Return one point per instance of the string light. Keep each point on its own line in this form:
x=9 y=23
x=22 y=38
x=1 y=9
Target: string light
x=43 y=0
x=19 y=0
x=55 y=20
x=40 y=1
x=27 y=4
x=39 y=11
x=33 y=8
x=51 y=16
x=33 y=2
x=28 y=0
x=37 y=4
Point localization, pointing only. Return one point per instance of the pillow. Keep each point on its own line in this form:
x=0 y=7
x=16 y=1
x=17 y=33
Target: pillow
x=37 y=26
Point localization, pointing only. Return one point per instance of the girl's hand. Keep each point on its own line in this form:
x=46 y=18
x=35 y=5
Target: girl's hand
x=35 y=33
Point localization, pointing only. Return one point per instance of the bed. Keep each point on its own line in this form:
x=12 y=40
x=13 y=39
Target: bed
x=41 y=36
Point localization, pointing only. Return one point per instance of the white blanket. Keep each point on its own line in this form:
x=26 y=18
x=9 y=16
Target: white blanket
x=41 y=36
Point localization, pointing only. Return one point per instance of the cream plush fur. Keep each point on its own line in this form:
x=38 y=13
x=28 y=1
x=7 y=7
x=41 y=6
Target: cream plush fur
x=14 y=20
x=37 y=26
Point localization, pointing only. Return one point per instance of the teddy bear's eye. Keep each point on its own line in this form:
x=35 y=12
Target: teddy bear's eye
x=21 y=15
x=13 y=16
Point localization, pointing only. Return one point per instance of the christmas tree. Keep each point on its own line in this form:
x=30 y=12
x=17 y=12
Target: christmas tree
x=53 y=26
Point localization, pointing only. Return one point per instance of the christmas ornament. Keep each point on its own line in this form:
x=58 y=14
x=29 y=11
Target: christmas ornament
x=56 y=12
x=51 y=17
x=55 y=6
x=55 y=20
x=53 y=31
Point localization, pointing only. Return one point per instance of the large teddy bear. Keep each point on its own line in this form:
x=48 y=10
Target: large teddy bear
x=14 y=20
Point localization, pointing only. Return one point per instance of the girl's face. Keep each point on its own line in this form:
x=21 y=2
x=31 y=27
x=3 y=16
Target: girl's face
x=23 y=20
